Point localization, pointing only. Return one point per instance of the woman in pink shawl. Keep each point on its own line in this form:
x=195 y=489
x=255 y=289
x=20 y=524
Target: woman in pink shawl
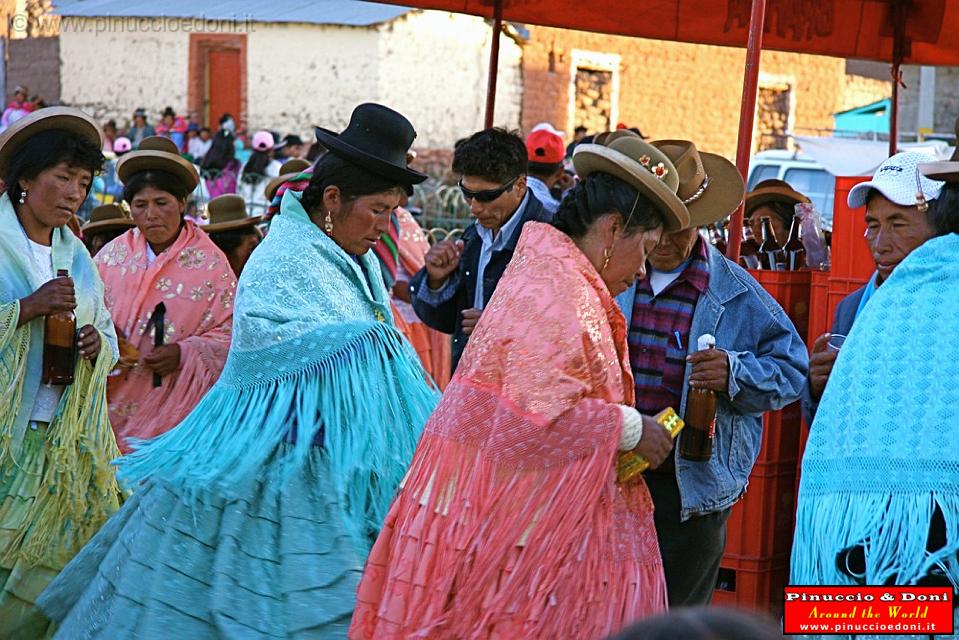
x=511 y=522
x=164 y=274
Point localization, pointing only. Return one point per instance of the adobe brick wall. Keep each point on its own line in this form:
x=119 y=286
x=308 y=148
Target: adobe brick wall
x=671 y=89
x=35 y=63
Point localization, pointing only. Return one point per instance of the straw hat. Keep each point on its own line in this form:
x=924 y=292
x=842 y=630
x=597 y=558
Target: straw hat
x=49 y=118
x=644 y=167
x=772 y=191
x=709 y=185
x=288 y=170
x=159 y=154
x=228 y=212
x=107 y=217
x=947 y=170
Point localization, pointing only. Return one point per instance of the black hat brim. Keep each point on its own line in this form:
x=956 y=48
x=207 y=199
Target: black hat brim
x=371 y=163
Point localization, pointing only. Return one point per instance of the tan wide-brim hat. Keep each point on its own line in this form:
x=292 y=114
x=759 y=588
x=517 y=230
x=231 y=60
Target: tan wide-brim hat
x=288 y=170
x=947 y=170
x=228 y=212
x=772 y=190
x=709 y=185
x=107 y=217
x=149 y=160
x=641 y=165
x=47 y=119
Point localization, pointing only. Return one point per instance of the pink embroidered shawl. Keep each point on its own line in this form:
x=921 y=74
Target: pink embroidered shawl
x=433 y=347
x=194 y=280
x=511 y=523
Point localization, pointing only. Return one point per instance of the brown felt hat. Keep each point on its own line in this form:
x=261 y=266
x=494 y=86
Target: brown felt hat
x=772 y=190
x=47 y=119
x=107 y=217
x=709 y=185
x=642 y=166
x=158 y=154
x=228 y=212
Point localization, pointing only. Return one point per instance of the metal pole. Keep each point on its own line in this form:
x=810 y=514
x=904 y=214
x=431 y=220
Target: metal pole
x=494 y=62
x=894 y=111
x=747 y=113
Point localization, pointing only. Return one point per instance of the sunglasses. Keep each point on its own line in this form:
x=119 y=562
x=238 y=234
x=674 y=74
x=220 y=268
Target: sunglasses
x=486 y=195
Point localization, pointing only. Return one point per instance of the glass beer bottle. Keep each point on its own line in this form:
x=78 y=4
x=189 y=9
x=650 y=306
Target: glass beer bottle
x=60 y=345
x=749 y=250
x=770 y=251
x=795 y=250
x=696 y=442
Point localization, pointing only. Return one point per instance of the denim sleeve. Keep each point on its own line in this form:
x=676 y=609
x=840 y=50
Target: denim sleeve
x=809 y=406
x=437 y=309
x=775 y=374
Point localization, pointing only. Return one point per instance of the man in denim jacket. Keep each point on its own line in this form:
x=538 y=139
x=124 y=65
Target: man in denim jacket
x=759 y=365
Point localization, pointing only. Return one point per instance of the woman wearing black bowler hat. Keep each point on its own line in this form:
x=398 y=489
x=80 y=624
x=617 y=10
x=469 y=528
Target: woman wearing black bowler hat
x=253 y=518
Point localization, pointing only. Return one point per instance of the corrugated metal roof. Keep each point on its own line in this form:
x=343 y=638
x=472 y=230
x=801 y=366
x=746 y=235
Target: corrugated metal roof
x=336 y=12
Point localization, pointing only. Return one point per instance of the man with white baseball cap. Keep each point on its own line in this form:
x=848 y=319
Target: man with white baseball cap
x=897 y=201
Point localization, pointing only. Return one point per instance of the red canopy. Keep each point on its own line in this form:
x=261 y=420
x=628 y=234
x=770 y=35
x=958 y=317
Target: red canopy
x=842 y=28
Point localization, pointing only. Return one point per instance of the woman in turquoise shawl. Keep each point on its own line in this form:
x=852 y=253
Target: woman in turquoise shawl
x=254 y=516
x=56 y=483
x=879 y=494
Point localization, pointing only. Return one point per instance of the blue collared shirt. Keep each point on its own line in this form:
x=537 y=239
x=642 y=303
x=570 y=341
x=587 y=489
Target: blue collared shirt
x=542 y=193
x=491 y=244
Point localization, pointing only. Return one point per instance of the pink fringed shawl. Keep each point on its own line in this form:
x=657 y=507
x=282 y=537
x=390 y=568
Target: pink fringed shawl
x=194 y=280
x=511 y=523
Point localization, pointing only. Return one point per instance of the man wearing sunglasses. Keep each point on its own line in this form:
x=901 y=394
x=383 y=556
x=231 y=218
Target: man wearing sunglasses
x=450 y=293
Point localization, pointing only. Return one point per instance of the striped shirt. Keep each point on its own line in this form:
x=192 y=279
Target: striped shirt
x=658 y=359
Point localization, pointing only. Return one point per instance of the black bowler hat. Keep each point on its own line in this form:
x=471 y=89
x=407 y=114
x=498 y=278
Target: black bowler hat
x=377 y=139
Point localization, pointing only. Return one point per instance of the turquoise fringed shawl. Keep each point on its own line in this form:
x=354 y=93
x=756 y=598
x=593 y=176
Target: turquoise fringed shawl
x=314 y=350
x=883 y=451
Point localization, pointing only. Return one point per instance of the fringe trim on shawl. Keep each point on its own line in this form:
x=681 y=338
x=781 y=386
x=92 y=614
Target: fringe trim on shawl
x=474 y=548
x=11 y=395
x=78 y=491
x=370 y=398
x=894 y=529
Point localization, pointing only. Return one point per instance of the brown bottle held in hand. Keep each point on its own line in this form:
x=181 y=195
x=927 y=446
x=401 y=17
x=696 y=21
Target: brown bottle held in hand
x=697 y=441
x=60 y=345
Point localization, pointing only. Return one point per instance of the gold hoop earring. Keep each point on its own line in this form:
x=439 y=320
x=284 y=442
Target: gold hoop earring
x=328 y=223
x=607 y=254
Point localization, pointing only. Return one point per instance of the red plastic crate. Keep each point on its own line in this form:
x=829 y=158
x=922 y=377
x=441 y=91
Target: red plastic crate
x=820 y=321
x=756 y=585
x=850 y=255
x=791 y=290
x=760 y=526
x=780 y=441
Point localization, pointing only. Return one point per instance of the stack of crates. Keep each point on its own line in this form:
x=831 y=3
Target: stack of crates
x=755 y=567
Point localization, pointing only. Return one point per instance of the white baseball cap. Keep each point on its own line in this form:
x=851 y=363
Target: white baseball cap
x=899 y=180
x=546 y=126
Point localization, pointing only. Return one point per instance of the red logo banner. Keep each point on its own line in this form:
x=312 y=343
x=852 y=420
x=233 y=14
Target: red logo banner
x=872 y=610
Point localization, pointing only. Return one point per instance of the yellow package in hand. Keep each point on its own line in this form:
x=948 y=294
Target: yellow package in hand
x=630 y=464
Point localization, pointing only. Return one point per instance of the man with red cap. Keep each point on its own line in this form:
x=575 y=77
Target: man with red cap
x=545 y=153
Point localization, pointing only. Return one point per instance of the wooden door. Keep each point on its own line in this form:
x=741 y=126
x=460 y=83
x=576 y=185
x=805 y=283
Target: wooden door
x=217 y=77
x=223 y=82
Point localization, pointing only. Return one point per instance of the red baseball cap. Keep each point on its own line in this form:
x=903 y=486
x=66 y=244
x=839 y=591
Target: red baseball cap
x=545 y=147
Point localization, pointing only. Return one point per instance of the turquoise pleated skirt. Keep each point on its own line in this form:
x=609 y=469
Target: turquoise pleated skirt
x=261 y=560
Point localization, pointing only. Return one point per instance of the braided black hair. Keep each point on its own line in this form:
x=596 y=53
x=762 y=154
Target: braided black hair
x=601 y=194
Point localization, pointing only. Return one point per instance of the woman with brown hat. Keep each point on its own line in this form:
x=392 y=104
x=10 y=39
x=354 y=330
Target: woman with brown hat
x=776 y=200
x=170 y=291
x=56 y=483
x=511 y=522
x=258 y=510
x=107 y=223
x=232 y=230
